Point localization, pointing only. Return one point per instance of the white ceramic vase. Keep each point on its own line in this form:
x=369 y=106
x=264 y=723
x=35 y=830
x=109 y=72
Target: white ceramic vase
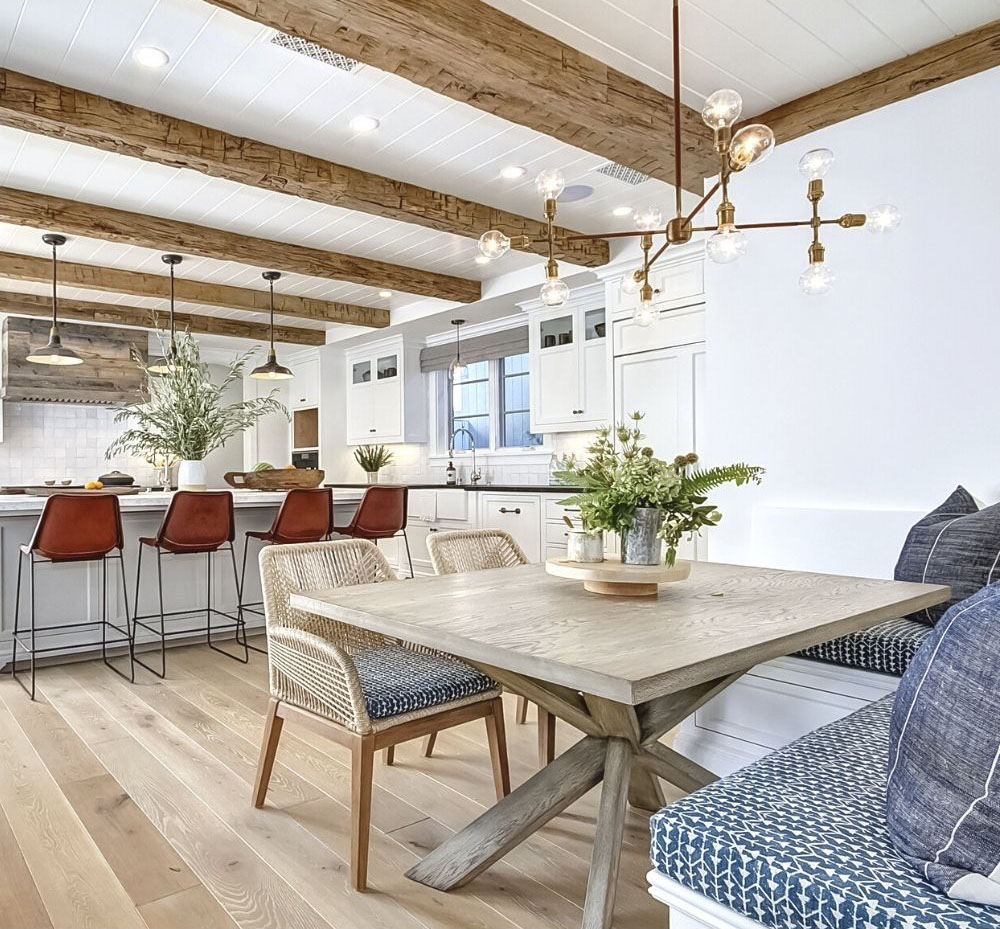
x=191 y=475
x=584 y=547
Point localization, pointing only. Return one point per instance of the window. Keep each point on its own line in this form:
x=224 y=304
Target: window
x=492 y=402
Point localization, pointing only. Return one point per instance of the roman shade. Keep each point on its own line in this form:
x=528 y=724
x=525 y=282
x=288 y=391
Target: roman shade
x=478 y=348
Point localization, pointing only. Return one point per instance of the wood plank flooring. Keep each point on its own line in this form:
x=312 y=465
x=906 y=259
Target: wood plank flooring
x=129 y=805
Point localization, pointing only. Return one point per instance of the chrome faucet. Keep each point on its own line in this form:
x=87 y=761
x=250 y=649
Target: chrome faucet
x=476 y=474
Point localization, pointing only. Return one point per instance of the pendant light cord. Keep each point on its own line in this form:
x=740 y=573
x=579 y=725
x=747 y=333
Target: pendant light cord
x=55 y=290
x=458 y=343
x=270 y=284
x=173 y=337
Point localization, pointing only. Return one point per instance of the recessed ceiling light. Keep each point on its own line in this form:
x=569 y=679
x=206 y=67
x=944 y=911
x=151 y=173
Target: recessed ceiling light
x=149 y=56
x=364 y=124
x=482 y=259
x=622 y=211
x=385 y=294
x=513 y=172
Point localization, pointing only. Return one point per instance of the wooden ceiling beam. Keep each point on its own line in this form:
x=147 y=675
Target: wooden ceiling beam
x=72 y=217
x=951 y=60
x=471 y=52
x=49 y=109
x=17 y=267
x=36 y=306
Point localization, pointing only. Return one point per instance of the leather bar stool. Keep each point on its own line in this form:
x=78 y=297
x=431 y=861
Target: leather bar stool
x=196 y=523
x=304 y=516
x=73 y=528
x=381 y=514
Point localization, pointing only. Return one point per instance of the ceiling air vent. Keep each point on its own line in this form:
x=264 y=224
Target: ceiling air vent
x=317 y=52
x=623 y=173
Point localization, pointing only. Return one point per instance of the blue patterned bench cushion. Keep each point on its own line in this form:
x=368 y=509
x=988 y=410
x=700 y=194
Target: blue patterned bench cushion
x=798 y=840
x=397 y=680
x=887 y=648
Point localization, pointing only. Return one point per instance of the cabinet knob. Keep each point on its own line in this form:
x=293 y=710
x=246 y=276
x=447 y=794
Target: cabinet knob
x=432 y=529
x=516 y=511
x=371 y=430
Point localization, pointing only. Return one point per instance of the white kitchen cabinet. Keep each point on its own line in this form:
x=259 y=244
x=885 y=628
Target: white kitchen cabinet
x=304 y=386
x=569 y=362
x=386 y=399
x=518 y=514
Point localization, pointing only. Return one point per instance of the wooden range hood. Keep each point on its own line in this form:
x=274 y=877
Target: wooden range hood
x=108 y=375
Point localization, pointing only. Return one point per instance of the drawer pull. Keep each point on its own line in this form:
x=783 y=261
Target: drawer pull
x=516 y=511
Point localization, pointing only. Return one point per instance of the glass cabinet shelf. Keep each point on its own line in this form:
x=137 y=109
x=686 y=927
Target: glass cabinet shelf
x=554 y=332
x=594 y=325
x=361 y=372
x=386 y=367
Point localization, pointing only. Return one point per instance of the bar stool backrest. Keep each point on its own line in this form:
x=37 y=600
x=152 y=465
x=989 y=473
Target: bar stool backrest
x=381 y=513
x=197 y=521
x=304 y=516
x=78 y=527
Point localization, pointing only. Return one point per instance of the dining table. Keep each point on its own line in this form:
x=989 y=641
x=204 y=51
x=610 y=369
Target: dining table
x=624 y=671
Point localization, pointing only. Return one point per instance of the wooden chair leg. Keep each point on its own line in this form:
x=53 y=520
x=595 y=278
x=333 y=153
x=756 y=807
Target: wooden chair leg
x=546 y=738
x=429 y=744
x=497 y=735
x=521 y=711
x=362 y=764
x=268 y=748
x=390 y=755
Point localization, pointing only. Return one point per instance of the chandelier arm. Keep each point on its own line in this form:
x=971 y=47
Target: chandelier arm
x=660 y=251
x=676 y=38
x=701 y=203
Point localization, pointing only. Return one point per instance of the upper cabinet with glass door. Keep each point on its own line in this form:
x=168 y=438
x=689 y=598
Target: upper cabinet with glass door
x=386 y=400
x=569 y=362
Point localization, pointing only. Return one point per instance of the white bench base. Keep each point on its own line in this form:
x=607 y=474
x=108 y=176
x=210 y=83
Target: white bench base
x=690 y=910
x=772 y=705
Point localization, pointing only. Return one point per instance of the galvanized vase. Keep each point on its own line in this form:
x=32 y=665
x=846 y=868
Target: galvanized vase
x=641 y=543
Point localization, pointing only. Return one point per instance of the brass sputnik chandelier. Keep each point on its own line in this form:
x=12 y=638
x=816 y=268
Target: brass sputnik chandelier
x=737 y=151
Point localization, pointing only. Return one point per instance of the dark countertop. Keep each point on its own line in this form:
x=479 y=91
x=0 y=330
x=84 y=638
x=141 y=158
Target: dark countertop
x=502 y=488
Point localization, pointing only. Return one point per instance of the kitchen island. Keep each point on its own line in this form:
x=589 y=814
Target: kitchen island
x=71 y=592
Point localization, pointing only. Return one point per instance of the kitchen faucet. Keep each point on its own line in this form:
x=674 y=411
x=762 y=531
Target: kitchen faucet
x=476 y=474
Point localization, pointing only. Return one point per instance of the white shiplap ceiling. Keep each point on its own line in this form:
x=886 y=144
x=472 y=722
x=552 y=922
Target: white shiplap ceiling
x=224 y=72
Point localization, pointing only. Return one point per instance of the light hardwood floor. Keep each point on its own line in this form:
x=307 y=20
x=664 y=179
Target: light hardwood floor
x=130 y=805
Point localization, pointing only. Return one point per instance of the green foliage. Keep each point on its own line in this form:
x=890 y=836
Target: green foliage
x=622 y=475
x=181 y=414
x=372 y=457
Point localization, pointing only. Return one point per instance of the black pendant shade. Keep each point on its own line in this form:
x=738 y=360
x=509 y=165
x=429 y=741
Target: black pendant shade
x=271 y=370
x=54 y=353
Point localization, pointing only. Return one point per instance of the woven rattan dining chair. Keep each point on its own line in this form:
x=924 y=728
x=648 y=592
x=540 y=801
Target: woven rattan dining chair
x=359 y=688
x=476 y=550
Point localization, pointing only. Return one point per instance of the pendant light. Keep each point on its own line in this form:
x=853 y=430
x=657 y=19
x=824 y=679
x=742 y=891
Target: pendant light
x=55 y=353
x=166 y=365
x=457 y=370
x=271 y=370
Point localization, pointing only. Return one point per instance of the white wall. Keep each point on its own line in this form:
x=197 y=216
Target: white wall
x=881 y=395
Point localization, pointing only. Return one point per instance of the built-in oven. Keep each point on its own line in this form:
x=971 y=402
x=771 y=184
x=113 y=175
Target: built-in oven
x=308 y=459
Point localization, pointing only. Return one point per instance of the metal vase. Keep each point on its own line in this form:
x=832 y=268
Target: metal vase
x=641 y=543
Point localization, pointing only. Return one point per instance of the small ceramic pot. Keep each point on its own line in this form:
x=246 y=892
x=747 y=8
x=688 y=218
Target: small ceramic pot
x=191 y=475
x=641 y=543
x=372 y=477
x=584 y=547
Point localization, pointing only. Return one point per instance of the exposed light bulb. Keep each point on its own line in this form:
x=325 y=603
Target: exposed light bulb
x=644 y=315
x=550 y=184
x=726 y=245
x=554 y=292
x=883 y=218
x=750 y=145
x=493 y=244
x=817 y=279
x=632 y=281
x=814 y=164
x=457 y=371
x=649 y=219
x=722 y=109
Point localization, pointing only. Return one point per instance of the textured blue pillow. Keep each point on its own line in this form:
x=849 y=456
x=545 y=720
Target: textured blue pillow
x=943 y=786
x=957 y=544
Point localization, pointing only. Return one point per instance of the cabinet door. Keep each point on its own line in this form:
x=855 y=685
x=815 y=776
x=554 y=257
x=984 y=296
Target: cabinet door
x=387 y=410
x=359 y=411
x=556 y=374
x=518 y=514
x=594 y=387
x=305 y=384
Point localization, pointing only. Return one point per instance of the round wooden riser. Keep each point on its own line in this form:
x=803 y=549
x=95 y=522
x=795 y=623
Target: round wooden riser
x=615 y=589
x=614 y=579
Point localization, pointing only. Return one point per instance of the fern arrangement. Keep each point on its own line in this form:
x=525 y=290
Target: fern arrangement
x=181 y=414
x=372 y=458
x=623 y=475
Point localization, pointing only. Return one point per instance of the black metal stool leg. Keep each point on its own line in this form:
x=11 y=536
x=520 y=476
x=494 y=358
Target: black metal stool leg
x=406 y=542
x=31 y=591
x=239 y=613
x=243 y=581
x=104 y=621
x=17 y=615
x=135 y=625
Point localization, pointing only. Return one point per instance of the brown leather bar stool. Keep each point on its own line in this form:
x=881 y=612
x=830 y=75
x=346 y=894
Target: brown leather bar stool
x=304 y=516
x=196 y=523
x=73 y=528
x=381 y=514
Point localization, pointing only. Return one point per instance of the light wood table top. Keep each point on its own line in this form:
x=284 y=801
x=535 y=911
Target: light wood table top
x=724 y=618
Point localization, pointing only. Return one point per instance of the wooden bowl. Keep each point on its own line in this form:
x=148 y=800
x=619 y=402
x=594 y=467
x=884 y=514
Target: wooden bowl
x=276 y=479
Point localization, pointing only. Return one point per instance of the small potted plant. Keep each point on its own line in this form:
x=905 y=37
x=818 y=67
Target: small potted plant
x=372 y=459
x=647 y=501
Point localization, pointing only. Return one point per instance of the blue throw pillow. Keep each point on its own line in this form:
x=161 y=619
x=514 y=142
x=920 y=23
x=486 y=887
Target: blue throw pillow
x=943 y=786
x=957 y=544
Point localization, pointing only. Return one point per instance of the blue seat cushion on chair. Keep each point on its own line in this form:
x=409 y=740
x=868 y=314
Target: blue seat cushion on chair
x=798 y=840
x=956 y=544
x=943 y=795
x=397 y=680
x=887 y=648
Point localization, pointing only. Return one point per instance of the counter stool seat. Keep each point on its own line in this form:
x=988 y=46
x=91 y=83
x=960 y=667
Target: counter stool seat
x=73 y=528
x=196 y=523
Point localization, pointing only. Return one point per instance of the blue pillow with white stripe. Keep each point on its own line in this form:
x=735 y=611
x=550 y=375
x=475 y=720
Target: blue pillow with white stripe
x=943 y=785
x=956 y=544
